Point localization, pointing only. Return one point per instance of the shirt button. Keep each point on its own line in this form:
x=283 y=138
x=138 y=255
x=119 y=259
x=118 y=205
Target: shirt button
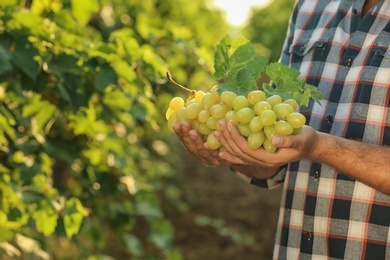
x=348 y=63
x=354 y=11
x=330 y=118
x=316 y=175
x=309 y=235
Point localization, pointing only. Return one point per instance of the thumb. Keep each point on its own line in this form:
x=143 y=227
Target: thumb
x=282 y=141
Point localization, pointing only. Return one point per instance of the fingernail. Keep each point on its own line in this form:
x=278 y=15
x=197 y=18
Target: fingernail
x=176 y=128
x=229 y=128
x=193 y=137
x=277 y=140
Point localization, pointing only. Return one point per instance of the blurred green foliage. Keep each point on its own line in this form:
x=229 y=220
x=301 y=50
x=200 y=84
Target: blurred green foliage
x=267 y=27
x=85 y=158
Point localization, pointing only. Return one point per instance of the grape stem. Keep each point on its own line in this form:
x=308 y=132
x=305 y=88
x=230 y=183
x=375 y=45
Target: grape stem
x=179 y=85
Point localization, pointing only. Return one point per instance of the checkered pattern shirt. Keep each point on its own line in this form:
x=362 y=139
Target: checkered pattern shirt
x=325 y=214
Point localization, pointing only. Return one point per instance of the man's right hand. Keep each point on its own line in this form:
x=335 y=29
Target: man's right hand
x=194 y=143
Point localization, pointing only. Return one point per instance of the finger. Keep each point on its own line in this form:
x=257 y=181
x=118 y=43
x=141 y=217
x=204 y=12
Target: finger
x=232 y=159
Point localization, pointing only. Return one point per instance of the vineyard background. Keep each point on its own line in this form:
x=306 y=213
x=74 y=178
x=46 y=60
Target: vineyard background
x=88 y=169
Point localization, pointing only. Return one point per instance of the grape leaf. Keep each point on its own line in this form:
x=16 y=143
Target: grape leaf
x=288 y=85
x=238 y=63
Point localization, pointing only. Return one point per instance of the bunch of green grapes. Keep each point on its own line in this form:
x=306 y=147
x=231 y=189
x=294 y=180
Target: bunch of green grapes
x=257 y=117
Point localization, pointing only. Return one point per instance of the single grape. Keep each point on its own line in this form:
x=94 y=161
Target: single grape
x=219 y=110
x=255 y=124
x=227 y=97
x=192 y=111
x=244 y=129
x=168 y=113
x=261 y=106
x=180 y=115
x=245 y=115
x=212 y=123
x=176 y=103
x=203 y=115
x=195 y=124
x=256 y=140
x=172 y=120
x=208 y=101
x=268 y=146
x=203 y=129
x=269 y=131
x=256 y=96
x=267 y=117
x=230 y=117
x=212 y=141
x=198 y=96
x=274 y=100
x=283 y=128
x=240 y=102
x=296 y=119
x=291 y=102
x=282 y=110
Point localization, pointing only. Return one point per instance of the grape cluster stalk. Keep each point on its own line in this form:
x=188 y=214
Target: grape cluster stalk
x=258 y=117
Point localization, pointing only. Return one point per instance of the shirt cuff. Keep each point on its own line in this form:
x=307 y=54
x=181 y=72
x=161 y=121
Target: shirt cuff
x=269 y=183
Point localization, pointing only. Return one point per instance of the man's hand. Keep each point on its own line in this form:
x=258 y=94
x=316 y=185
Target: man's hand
x=290 y=148
x=197 y=147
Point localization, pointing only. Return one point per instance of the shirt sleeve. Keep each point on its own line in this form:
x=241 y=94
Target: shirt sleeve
x=269 y=183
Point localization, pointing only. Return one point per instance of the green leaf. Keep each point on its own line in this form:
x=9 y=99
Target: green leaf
x=5 y=60
x=23 y=57
x=46 y=220
x=288 y=85
x=83 y=10
x=6 y=3
x=74 y=215
x=238 y=62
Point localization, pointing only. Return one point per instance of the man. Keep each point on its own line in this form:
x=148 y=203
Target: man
x=336 y=171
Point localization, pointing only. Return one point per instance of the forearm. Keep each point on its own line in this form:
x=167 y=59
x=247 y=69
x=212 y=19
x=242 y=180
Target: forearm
x=254 y=171
x=369 y=164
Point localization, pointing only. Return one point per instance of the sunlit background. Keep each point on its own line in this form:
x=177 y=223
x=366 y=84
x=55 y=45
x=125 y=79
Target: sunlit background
x=237 y=11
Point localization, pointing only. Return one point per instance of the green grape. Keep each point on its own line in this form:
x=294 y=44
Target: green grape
x=245 y=115
x=208 y=101
x=269 y=131
x=256 y=140
x=256 y=96
x=180 y=115
x=227 y=97
x=230 y=117
x=255 y=124
x=192 y=111
x=291 y=102
x=203 y=129
x=282 y=110
x=172 y=120
x=219 y=110
x=195 y=124
x=267 y=117
x=212 y=123
x=176 y=103
x=203 y=115
x=283 y=128
x=244 y=129
x=296 y=120
x=198 y=96
x=274 y=100
x=268 y=146
x=168 y=113
x=212 y=141
x=240 y=102
x=261 y=106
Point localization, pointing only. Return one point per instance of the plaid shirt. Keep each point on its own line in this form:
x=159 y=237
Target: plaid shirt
x=325 y=214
